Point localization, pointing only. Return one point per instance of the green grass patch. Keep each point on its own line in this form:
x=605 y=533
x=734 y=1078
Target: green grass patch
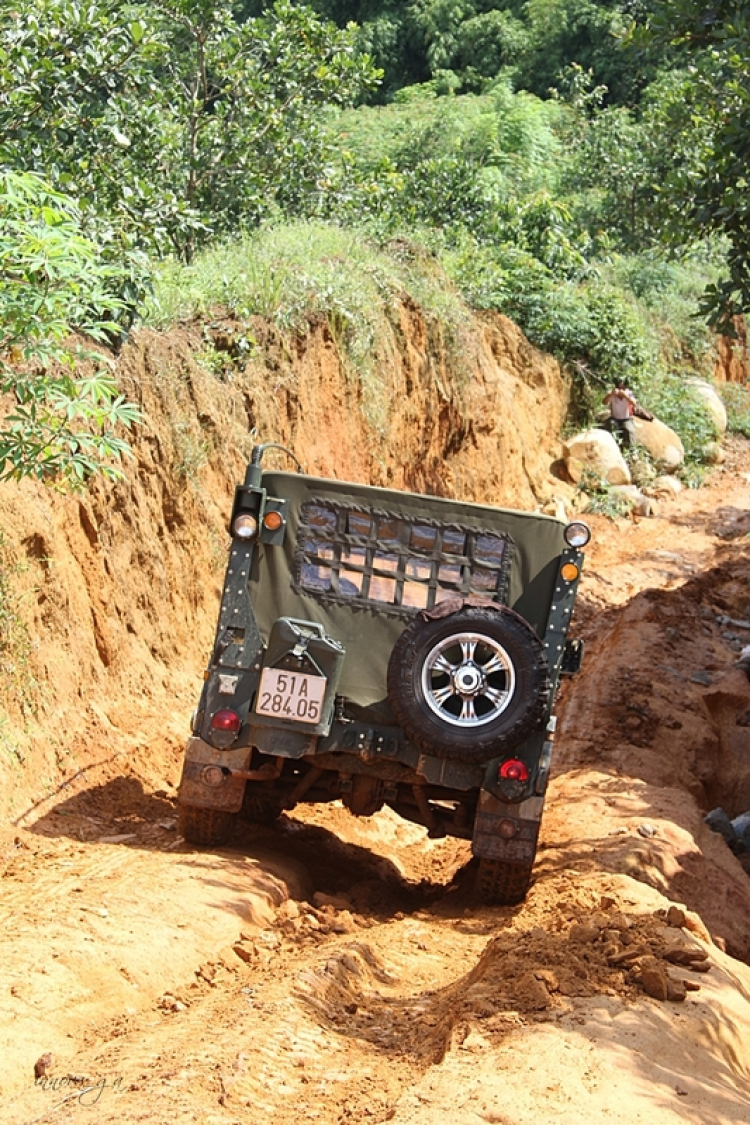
x=295 y=274
x=736 y=398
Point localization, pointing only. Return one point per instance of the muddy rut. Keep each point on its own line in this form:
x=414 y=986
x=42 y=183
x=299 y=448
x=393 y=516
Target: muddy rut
x=339 y=970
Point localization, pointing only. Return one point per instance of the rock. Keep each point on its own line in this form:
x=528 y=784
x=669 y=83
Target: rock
x=597 y=452
x=343 y=924
x=676 y=989
x=338 y=902
x=664 y=486
x=289 y=909
x=583 y=932
x=676 y=917
x=664 y=445
x=701 y=678
x=689 y=955
x=713 y=454
x=711 y=401
x=718 y=821
x=243 y=952
x=654 y=978
x=43 y=1065
x=474 y=1042
x=531 y=993
x=556 y=507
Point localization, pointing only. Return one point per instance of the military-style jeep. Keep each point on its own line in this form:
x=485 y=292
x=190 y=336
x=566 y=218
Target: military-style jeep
x=386 y=648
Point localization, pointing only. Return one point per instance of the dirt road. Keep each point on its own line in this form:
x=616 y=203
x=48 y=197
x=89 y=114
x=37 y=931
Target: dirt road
x=336 y=970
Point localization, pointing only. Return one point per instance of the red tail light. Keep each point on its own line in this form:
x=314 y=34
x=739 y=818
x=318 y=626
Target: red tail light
x=226 y=720
x=514 y=770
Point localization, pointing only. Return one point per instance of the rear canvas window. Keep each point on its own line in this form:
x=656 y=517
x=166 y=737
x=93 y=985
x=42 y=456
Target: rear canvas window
x=375 y=558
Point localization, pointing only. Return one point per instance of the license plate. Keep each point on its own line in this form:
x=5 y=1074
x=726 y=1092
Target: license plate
x=290 y=695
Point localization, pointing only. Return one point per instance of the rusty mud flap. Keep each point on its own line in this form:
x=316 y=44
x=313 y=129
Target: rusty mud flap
x=507 y=831
x=227 y=791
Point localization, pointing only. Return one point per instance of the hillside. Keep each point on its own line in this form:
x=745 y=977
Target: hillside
x=115 y=589
x=335 y=969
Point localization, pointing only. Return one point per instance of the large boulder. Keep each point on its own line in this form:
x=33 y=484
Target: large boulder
x=597 y=452
x=710 y=399
x=664 y=445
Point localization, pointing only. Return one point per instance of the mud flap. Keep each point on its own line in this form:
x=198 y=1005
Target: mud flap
x=505 y=831
x=194 y=791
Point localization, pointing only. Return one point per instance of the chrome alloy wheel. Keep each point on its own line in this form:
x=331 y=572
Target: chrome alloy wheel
x=468 y=679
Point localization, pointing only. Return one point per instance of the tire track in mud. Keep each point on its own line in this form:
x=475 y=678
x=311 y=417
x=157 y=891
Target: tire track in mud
x=267 y=1033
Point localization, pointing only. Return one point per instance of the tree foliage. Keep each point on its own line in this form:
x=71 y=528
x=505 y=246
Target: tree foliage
x=174 y=120
x=706 y=191
x=63 y=423
x=461 y=45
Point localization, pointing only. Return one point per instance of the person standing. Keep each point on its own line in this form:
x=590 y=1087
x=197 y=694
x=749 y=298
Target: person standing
x=622 y=403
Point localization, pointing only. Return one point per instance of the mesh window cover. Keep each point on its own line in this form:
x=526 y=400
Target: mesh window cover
x=398 y=565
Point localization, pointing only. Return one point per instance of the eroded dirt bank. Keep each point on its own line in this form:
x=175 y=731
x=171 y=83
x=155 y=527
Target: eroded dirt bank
x=340 y=970
x=117 y=588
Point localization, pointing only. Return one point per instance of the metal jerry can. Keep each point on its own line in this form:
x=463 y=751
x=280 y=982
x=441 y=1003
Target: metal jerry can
x=298 y=681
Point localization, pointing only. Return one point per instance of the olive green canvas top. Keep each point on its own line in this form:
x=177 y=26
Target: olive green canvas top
x=361 y=561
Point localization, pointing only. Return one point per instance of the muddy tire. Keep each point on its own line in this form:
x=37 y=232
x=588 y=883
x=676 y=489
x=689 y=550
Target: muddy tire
x=206 y=827
x=259 y=808
x=470 y=685
x=503 y=884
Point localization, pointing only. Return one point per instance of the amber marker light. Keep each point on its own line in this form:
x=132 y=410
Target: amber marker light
x=569 y=572
x=272 y=521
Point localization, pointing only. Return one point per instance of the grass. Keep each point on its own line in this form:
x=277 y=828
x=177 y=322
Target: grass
x=630 y=317
x=736 y=398
x=295 y=274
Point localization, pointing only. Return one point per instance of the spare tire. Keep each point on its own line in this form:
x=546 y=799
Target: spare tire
x=469 y=685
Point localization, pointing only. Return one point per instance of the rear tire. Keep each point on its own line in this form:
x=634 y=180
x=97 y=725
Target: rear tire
x=206 y=827
x=259 y=808
x=503 y=884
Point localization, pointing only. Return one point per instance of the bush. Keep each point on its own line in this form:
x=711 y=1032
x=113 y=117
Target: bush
x=736 y=398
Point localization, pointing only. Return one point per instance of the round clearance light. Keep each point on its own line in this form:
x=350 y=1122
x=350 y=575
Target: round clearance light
x=226 y=720
x=514 y=770
x=272 y=521
x=245 y=527
x=569 y=571
x=577 y=534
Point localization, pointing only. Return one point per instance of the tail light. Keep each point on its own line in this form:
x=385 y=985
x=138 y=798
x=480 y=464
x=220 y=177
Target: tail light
x=514 y=770
x=225 y=726
x=226 y=721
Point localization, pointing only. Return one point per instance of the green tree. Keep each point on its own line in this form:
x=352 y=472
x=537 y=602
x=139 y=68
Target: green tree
x=707 y=192
x=172 y=119
x=62 y=423
x=463 y=44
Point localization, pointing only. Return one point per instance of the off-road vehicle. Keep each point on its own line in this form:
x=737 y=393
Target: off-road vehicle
x=385 y=648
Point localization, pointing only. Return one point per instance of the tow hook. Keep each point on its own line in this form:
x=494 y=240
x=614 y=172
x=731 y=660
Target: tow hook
x=216 y=775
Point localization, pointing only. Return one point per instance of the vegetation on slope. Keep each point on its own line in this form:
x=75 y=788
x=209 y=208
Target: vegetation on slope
x=576 y=164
